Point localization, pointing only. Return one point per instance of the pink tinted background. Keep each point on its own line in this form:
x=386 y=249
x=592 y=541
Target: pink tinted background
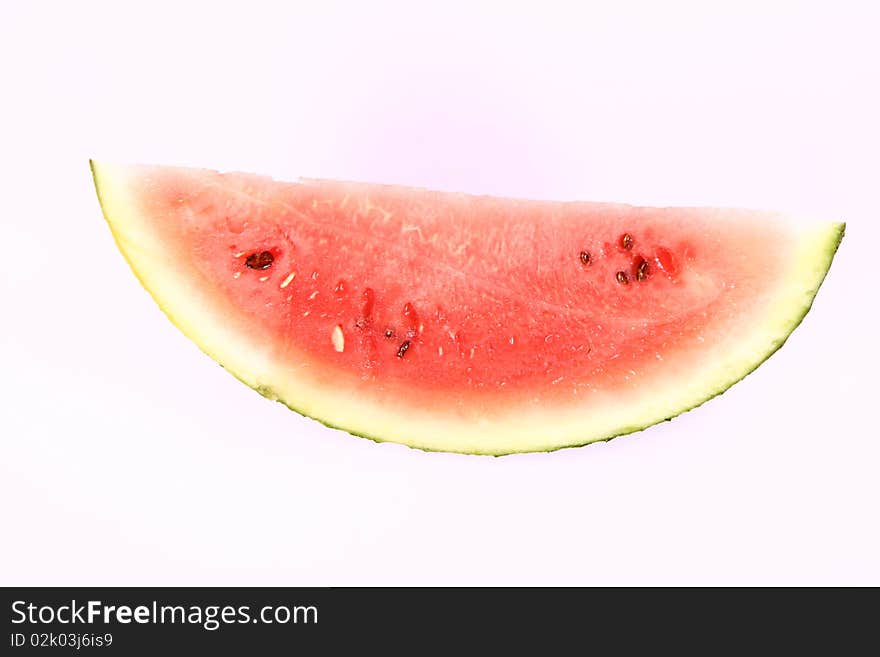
x=131 y=458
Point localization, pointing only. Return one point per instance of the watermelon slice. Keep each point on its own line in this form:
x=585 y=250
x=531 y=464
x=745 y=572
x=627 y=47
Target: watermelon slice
x=464 y=323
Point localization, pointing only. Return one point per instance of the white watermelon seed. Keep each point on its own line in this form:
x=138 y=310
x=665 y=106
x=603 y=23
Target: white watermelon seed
x=288 y=280
x=338 y=339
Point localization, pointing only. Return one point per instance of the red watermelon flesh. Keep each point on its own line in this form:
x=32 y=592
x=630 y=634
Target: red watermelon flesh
x=460 y=322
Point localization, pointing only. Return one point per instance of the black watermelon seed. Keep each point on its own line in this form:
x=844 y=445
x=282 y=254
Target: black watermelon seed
x=585 y=258
x=401 y=352
x=626 y=241
x=622 y=278
x=261 y=260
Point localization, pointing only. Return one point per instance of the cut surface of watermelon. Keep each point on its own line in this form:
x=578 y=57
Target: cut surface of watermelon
x=464 y=323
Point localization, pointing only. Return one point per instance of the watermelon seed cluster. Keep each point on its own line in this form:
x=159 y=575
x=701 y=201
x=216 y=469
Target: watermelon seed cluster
x=263 y=260
x=640 y=265
x=365 y=320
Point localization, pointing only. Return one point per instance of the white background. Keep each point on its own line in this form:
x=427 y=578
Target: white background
x=129 y=457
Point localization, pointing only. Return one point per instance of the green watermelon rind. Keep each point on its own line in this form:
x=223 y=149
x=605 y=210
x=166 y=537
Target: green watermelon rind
x=818 y=258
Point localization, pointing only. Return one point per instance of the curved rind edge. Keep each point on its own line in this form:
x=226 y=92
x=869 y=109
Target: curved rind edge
x=824 y=253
